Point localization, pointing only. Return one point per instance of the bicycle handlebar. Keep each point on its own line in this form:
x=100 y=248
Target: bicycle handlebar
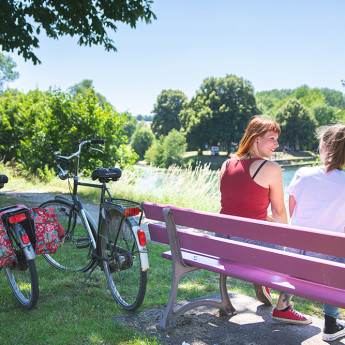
x=63 y=174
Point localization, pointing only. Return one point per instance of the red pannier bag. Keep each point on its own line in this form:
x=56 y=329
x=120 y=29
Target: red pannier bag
x=7 y=254
x=48 y=230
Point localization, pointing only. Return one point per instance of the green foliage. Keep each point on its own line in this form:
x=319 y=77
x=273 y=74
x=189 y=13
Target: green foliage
x=166 y=112
x=38 y=123
x=131 y=125
x=167 y=151
x=269 y=99
x=334 y=98
x=82 y=89
x=297 y=125
x=144 y=117
x=7 y=73
x=309 y=97
x=174 y=147
x=91 y=21
x=155 y=154
x=219 y=112
x=324 y=114
x=141 y=141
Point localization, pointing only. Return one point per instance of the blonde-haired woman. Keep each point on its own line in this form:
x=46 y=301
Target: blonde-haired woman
x=317 y=200
x=249 y=184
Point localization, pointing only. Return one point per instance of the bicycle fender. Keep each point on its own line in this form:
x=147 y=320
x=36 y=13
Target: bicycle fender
x=144 y=259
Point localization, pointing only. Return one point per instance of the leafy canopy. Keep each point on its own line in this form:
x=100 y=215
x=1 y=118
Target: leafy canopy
x=38 y=123
x=21 y=21
x=219 y=112
x=166 y=112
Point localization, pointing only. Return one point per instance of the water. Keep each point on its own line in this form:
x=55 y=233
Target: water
x=150 y=179
x=287 y=176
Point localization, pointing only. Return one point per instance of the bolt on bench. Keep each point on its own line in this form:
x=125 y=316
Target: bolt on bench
x=305 y=276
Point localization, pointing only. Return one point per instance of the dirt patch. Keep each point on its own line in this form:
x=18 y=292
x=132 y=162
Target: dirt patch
x=201 y=326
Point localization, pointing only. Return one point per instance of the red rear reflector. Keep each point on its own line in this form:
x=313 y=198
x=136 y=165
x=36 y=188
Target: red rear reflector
x=17 y=218
x=131 y=211
x=25 y=239
x=141 y=237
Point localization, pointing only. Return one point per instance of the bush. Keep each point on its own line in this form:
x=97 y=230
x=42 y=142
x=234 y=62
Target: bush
x=167 y=150
x=38 y=123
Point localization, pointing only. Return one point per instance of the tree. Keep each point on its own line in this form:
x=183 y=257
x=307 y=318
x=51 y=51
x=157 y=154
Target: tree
x=82 y=89
x=308 y=97
x=167 y=151
x=38 y=123
x=324 y=114
x=175 y=146
x=269 y=99
x=141 y=141
x=131 y=125
x=219 y=112
x=21 y=21
x=166 y=112
x=7 y=73
x=334 y=98
x=297 y=126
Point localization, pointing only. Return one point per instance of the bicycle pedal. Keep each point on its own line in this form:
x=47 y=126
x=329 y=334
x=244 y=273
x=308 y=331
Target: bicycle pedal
x=82 y=243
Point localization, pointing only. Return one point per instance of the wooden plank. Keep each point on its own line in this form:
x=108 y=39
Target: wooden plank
x=280 y=234
x=299 y=266
x=274 y=280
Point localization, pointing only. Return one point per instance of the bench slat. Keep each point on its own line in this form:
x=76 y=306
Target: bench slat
x=308 y=268
x=280 y=234
x=277 y=281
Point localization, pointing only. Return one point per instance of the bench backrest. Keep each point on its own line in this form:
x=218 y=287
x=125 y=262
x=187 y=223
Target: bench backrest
x=308 y=268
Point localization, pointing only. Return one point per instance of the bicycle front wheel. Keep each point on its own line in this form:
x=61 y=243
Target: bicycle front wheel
x=74 y=253
x=121 y=261
x=23 y=280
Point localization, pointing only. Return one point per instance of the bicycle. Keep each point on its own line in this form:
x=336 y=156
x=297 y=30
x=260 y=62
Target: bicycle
x=21 y=274
x=116 y=243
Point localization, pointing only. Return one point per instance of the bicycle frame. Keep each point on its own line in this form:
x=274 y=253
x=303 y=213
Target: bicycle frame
x=88 y=218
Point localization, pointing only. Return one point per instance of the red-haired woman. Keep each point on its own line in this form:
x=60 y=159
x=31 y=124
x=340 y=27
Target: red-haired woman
x=249 y=184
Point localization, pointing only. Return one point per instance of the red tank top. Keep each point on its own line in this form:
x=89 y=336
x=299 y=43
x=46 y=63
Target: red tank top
x=240 y=194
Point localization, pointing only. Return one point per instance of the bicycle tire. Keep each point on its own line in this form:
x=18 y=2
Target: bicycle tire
x=126 y=281
x=74 y=253
x=23 y=280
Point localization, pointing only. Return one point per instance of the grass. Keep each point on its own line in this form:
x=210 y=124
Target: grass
x=64 y=316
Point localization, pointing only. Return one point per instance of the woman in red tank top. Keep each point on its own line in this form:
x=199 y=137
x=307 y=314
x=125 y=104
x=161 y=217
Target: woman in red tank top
x=249 y=184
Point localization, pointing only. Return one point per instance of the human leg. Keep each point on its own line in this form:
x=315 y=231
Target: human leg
x=333 y=328
x=284 y=312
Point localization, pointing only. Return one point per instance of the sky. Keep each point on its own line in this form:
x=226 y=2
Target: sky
x=274 y=44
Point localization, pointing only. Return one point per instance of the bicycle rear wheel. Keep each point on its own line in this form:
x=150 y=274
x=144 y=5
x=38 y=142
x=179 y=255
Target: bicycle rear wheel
x=74 y=253
x=121 y=261
x=23 y=280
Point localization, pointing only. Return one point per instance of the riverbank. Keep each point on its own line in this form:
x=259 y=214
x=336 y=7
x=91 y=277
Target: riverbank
x=291 y=159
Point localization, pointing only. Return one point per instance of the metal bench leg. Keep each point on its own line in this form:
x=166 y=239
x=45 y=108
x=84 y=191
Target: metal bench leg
x=179 y=269
x=226 y=305
x=170 y=316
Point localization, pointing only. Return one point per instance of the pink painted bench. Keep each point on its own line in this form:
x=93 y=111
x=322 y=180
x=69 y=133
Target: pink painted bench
x=308 y=277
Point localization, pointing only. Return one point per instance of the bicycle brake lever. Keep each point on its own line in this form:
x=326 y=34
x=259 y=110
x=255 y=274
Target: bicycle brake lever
x=92 y=148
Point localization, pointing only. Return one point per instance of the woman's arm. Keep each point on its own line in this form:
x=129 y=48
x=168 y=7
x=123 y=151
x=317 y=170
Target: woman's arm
x=292 y=204
x=275 y=182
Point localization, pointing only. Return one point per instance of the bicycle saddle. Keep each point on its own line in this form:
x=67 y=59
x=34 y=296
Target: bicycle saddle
x=106 y=175
x=3 y=180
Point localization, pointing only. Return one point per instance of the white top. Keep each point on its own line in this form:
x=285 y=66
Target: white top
x=320 y=198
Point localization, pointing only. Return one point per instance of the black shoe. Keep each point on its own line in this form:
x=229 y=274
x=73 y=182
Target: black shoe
x=333 y=329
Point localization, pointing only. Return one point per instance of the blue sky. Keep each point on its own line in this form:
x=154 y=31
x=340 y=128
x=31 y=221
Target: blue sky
x=274 y=44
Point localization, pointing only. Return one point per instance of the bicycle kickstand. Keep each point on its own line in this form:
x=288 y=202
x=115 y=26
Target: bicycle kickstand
x=87 y=277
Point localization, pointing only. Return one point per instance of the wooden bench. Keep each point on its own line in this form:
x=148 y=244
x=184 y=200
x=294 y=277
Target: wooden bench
x=301 y=275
